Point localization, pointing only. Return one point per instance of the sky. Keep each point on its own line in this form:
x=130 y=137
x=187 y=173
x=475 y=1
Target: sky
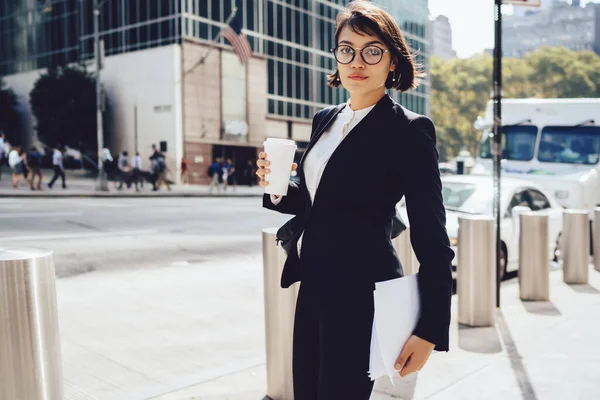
x=472 y=23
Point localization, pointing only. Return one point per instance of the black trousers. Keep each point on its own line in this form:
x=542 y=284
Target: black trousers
x=58 y=173
x=332 y=341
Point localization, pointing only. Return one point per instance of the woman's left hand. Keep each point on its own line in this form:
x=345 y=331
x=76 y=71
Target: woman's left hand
x=413 y=356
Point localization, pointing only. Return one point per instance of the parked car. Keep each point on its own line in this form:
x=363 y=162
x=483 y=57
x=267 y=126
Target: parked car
x=473 y=194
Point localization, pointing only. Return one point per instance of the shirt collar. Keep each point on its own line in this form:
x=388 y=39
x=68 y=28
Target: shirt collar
x=358 y=113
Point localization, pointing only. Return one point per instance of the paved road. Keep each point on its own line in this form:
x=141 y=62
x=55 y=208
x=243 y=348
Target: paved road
x=97 y=234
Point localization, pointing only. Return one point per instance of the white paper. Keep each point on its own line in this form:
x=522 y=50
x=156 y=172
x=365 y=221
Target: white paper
x=397 y=311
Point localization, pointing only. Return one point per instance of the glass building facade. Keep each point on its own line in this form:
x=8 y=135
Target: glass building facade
x=293 y=35
x=45 y=33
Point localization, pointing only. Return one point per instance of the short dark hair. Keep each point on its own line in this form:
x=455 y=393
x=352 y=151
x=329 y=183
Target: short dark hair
x=362 y=16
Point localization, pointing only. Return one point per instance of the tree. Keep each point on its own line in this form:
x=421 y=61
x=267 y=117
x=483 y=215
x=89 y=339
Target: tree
x=560 y=72
x=458 y=89
x=8 y=100
x=461 y=88
x=63 y=101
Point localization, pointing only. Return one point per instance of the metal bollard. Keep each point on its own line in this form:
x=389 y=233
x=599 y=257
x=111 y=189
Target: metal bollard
x=575 y=246
x=405 y=252
x=279 y=320
x=476 y=271
x=596 y=237
x=30 y=353
x=534 y=274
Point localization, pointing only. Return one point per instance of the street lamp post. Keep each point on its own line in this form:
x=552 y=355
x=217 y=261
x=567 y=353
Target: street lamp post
x=101 y=184
x=497 y=142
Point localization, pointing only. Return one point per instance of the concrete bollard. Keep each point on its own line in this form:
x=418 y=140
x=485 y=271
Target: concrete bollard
x=476 y=270
x=30 y=352
x=280 y=305
x=575 y=246
x=596 y=237
x=405 y=252
x=534 y=274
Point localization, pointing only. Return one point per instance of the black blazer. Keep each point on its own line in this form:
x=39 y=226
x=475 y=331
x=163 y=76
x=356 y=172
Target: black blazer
x=347 y=245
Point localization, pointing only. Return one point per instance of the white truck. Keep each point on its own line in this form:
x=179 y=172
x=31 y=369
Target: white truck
x=553 y=142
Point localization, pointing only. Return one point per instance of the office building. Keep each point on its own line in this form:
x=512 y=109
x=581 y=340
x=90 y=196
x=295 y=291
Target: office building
x=157 y=89
x=556 y=24
x=441 y=38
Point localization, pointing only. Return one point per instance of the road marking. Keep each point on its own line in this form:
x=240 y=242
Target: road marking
x=41 y=214
x=82 y=235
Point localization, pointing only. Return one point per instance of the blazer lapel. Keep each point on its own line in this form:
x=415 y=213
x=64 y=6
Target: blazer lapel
x=322 y=127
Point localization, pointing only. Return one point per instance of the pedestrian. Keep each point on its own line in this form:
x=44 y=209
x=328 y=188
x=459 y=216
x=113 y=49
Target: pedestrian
x=107 y=161
x=250 y=173
x=215 y=172
x=1 y=153
x=17 y=168
x=160 y=168
x=59 y=170
x=185 y=179
x=224 y=175
x=340 y=244
x=155 y=152
x=123 y=166
x=231 y=174
x=34 y=161
x=136 y=166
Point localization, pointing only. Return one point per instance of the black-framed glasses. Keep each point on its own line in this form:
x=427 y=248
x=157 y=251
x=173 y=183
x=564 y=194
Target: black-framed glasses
x=370 y=54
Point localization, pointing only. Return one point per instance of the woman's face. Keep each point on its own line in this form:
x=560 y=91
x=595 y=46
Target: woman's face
x=359 y=77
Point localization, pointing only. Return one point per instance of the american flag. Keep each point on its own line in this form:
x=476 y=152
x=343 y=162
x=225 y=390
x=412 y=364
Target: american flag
x=239 y=41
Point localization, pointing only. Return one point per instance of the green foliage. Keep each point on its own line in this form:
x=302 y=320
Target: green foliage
x=461 y=88
x=64 y=103
x=8 y=100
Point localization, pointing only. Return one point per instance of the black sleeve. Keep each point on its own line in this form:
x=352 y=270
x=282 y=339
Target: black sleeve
x=427 y=216
x=293 y=203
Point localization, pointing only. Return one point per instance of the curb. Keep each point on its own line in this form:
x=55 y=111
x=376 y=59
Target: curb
x=129 y=196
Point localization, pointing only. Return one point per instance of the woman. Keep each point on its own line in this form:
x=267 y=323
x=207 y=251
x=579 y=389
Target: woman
x=362 y=159
x=17 y=167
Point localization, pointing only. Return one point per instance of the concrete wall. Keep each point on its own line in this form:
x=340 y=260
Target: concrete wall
x=301 y=131
x=151 y=80
x=203 y=97
x=257 y=101
x=202 y=93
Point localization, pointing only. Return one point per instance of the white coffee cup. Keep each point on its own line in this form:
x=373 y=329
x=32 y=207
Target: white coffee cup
x=280 y=152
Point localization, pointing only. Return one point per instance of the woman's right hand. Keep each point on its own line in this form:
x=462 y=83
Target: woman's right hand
x=262 y=163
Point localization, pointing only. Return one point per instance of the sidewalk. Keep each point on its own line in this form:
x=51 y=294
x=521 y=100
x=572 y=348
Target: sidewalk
x=196 y=331
x=79 y=185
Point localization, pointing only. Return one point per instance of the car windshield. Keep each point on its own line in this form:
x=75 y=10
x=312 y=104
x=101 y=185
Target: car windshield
x=518 y=143
x=572 y=145
x=467 y=197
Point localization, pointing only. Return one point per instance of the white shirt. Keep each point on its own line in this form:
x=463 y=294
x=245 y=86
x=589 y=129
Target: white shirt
x=106 y=155
x=317 y=158
x=13 y=158
x=136 y=162
x=123 y=161
x=57 y=158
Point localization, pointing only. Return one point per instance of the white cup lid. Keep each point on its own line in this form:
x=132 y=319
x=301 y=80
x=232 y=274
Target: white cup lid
x=287 y=142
